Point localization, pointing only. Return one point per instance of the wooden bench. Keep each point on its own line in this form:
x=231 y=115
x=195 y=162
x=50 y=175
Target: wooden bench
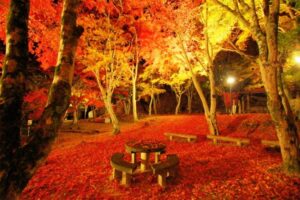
x=270 y=143
x=190 y=138
x=166 y=169
x=238 y=141
x=122 y=169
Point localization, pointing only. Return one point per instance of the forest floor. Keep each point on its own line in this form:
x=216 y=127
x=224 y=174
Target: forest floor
x=78 y=166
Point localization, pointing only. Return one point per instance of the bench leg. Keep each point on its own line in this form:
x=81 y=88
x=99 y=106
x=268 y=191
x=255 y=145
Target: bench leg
x=144 y=161
x=239 y=143
x=171 y=137
x=133 y=157
x=116 y=174
x=189 y=140
x=161 y=180
x=126 y=179
x=215 y=141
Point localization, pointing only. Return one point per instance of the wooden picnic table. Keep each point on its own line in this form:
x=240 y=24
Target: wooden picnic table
x=145 y=147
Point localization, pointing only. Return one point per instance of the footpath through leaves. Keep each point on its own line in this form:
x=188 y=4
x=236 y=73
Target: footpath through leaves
x=78 y=166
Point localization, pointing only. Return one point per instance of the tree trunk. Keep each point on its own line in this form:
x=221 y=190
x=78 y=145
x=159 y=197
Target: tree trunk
x=177 y=109
x=127 y=106
x=248 y=103
x=75 y=117
x=85 y=112
x=134 y=74
x=27 y=158
x=278 y=107
x=239 y=107
x=134 y=107
x=106 y=95
x=285 y=126
x=12 y=89
x=243 y=104
x=283 y=94
x=155 y=100
x=150 y=105
x=213 y=126
x=189 y=99
x=112 y=115
x=211 y=115
x=210 y=122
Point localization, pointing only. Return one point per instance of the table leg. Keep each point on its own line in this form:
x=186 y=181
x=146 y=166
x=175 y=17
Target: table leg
x=144 y=161
x=157 y=157
x=133 y=157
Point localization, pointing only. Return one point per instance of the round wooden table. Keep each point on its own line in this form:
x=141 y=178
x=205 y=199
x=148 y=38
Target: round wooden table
x=145 y=147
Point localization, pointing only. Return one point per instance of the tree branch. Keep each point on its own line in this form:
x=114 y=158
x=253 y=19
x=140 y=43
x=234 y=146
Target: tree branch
x=237 y=50
x=254 y=15
x=244 y=4
x=233 y=12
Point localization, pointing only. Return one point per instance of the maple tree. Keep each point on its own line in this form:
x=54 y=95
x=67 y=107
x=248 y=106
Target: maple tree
x=144 y=33
x=18 y=163
x=265 y=33
x=179 y=80
x=105 y=58
x=188 y=45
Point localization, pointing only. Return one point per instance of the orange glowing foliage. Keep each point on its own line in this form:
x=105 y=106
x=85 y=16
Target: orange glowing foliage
x=34 y=103
x=44 y=28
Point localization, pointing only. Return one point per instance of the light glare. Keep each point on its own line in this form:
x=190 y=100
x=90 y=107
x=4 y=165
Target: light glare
x=230 y=80
x=297 y=59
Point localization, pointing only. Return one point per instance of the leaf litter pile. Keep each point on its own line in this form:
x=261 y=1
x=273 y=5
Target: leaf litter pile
x=78 y=167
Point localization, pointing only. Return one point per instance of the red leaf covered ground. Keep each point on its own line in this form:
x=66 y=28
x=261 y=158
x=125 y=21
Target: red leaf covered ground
x=78 y=166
